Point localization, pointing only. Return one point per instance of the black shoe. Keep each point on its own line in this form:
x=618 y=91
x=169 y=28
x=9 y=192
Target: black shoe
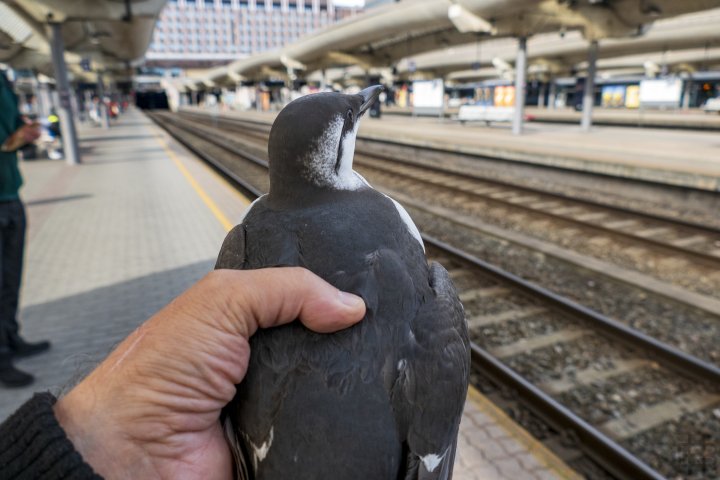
x=21 y=348
x=11 y=376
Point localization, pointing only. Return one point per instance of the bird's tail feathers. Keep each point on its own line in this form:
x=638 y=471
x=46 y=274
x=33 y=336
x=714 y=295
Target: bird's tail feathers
x=241 y=470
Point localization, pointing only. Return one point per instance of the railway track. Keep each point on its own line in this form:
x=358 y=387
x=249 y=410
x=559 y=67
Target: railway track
x=675 y=251
x=616 y=389
x=680 y=305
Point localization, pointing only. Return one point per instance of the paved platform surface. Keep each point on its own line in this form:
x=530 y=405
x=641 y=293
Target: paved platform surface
x=674 y=157
x=692 y=119
x=113 y=240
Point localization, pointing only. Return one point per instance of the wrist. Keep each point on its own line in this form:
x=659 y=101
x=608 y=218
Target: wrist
x=99 y=438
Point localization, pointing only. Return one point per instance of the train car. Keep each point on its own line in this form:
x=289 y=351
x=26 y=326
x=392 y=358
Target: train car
x=149 y=93
x=151 y=100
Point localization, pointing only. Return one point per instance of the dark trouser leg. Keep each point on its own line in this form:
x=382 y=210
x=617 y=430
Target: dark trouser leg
x=12 y=247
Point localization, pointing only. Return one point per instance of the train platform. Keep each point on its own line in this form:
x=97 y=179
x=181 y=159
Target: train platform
x=114 y=239
x=680 y=158
x=691 y=119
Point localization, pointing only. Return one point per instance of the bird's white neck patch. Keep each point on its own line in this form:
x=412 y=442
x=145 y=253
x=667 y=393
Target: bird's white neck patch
x=321 y=164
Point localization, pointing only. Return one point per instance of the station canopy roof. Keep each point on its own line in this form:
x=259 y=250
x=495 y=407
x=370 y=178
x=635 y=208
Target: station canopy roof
x=688 y=42
x=381 y=37
x=108 y=33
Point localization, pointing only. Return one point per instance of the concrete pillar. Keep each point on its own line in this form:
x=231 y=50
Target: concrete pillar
x=589 y=95
x=104 y=114
x=87 y=101
x=541 y=95
x=44 y=99
x=323 y=81
x=65 y=113
x=552 y=96
x=686 y=94
x=520 y=76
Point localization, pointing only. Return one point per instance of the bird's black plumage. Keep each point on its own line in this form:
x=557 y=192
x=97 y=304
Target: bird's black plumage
x=382 y=399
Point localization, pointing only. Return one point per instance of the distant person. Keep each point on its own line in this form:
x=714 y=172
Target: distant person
x=54 y=124
x=14 y=133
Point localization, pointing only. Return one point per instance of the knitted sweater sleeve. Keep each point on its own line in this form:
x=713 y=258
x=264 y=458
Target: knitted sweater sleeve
x=33 y=445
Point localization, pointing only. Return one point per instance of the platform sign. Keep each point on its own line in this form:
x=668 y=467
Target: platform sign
x=504 y=96
x=613 y=96
x=661 y=93
x=632 y=96
x=428 y=97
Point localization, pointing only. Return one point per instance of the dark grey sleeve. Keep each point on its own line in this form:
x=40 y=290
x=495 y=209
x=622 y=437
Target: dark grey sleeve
x=33 y=445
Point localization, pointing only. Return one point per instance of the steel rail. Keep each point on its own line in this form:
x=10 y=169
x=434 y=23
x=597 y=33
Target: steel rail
x=698 y=256
x=530 y=190
x=595 y=444
x=676 y=359
x=244 y=185
x=671 y=357
x=703 y=258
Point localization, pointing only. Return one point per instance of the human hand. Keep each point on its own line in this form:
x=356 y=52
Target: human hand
x=30 y=132
x=22 y=136
x=151 y=409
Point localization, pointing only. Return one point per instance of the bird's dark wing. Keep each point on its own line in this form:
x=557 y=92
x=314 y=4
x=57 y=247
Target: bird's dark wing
x=232 y=252
x=232 y=256
x=432 y=384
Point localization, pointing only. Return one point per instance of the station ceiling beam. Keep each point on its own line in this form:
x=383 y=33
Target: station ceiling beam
x=569 y=48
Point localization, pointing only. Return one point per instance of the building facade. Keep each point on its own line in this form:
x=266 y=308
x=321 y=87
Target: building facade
x=204 y=33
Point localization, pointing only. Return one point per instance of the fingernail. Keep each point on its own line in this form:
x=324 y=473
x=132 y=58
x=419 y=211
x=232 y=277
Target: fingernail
x=350 y=299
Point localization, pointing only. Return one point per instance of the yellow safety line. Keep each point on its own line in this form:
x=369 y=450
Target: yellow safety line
x=227 y=225
x=221 y=180
x=546 y=457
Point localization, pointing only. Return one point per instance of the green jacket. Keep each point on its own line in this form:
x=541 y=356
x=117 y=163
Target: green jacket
x=10 y=178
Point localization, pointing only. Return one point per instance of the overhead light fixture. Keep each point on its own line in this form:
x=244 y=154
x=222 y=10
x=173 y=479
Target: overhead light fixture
x=501 y=64
x=466 y=21
x=291 y=63
x=650 y=9
x=14 y=25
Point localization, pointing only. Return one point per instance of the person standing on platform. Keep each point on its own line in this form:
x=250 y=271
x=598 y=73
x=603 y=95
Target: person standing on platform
x=14 y=133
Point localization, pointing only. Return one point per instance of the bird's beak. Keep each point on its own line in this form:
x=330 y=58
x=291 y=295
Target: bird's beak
x=369 y=95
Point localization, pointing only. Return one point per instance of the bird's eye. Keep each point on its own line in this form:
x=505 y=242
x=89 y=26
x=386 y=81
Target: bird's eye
x=350 y=115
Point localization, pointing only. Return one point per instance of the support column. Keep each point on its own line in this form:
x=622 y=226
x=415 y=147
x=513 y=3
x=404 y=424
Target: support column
x=88 y=103
x=65 y=113
x=552 y=96
x=323 y=80
x=104 y=114
x=44 y=99
x=520 y=77
x=541 y=95
x=686 y=94
x=589 y=95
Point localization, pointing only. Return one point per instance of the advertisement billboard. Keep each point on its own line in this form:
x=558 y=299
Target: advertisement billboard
x=632 y=96
x=428 y=97
x=663 y=92
x=613 y=96
x=504 y=96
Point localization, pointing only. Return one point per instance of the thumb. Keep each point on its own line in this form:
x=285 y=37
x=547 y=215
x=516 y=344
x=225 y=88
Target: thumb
x=275 y=296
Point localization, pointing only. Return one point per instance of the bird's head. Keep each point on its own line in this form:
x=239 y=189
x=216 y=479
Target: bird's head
x=312 y=142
